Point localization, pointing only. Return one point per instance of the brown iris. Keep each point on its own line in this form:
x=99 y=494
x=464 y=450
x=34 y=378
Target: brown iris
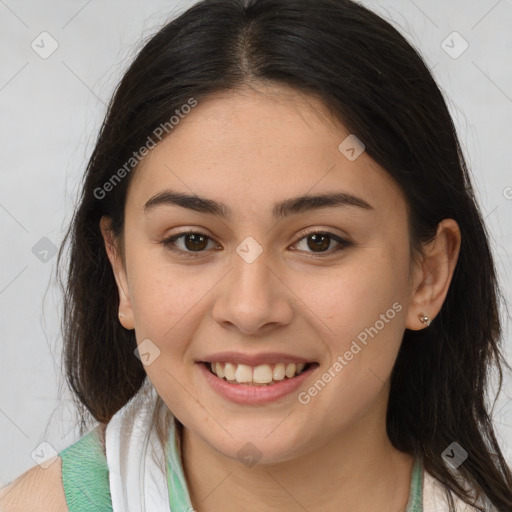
x=320 y=241
x=197 y=241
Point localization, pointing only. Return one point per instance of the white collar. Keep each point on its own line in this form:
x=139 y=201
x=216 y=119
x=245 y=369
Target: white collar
x=135 y=459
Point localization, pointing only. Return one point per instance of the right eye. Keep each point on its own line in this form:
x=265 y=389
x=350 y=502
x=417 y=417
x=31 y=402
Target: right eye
x=193 y=243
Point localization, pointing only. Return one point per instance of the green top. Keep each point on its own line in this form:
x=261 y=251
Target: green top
x=85 y=475
x=86 y=482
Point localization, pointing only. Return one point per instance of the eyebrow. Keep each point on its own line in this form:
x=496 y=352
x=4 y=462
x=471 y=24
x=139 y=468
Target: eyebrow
x=280 y=210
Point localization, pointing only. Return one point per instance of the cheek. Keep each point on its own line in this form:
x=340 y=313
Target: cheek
x=165 y=309
x=165 y=297
x=363 y=322
x=357 y=291
x=362 y=305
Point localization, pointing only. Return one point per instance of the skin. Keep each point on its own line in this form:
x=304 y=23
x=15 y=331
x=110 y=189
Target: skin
x=249 y=150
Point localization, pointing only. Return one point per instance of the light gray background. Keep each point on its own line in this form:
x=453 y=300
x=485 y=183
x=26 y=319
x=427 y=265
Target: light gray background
x=51 y=110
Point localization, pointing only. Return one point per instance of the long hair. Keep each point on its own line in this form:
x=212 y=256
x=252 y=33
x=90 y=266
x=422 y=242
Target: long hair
x=374 y=82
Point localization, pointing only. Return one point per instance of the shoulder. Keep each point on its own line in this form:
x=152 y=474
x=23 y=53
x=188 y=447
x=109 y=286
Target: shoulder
x=49 y=488
x=37 y=489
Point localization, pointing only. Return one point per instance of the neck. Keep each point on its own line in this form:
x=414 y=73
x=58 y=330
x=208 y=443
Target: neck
x=354 y=472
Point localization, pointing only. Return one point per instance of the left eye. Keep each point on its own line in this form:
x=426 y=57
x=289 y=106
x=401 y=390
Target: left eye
x=322 y=240
x=195 y=242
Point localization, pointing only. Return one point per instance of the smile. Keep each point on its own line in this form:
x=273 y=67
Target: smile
x=255 y=384
x=261 y=375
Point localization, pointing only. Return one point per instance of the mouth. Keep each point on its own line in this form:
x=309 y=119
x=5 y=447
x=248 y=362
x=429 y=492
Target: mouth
x=255 y=380
x=262 y=375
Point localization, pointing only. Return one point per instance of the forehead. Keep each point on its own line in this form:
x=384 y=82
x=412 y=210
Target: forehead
x=259 y=146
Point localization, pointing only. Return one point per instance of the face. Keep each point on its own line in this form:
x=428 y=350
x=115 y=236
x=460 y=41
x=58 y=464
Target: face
x=263 y=280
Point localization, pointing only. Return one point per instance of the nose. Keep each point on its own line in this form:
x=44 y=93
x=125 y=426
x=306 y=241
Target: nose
x=253 y=298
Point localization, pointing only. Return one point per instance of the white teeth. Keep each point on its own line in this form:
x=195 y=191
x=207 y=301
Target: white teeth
x=218 y=370
x=262 y=374
x=279 y=371
x=290 y=370
x=243 y=373
x=229 y=371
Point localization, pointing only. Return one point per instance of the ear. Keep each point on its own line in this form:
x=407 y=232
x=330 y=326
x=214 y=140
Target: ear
x=433 y=274
x=126 y=316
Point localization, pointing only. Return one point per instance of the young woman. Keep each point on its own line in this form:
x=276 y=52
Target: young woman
x=280 y=293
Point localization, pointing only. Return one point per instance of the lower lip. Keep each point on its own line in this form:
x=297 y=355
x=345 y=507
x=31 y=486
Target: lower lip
x=252 y=395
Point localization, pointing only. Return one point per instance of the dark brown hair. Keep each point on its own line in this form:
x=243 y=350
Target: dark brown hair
x=379 y=87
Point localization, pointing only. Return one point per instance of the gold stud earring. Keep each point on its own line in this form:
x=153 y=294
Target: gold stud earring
x=425 y=319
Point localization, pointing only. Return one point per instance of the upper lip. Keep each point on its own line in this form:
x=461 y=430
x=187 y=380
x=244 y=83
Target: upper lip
x=253 y=359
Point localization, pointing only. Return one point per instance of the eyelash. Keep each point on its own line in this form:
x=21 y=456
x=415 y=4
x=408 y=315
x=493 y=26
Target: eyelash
x=168 y=243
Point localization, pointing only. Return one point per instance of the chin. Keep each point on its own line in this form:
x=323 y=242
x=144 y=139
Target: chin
x=256 y=449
